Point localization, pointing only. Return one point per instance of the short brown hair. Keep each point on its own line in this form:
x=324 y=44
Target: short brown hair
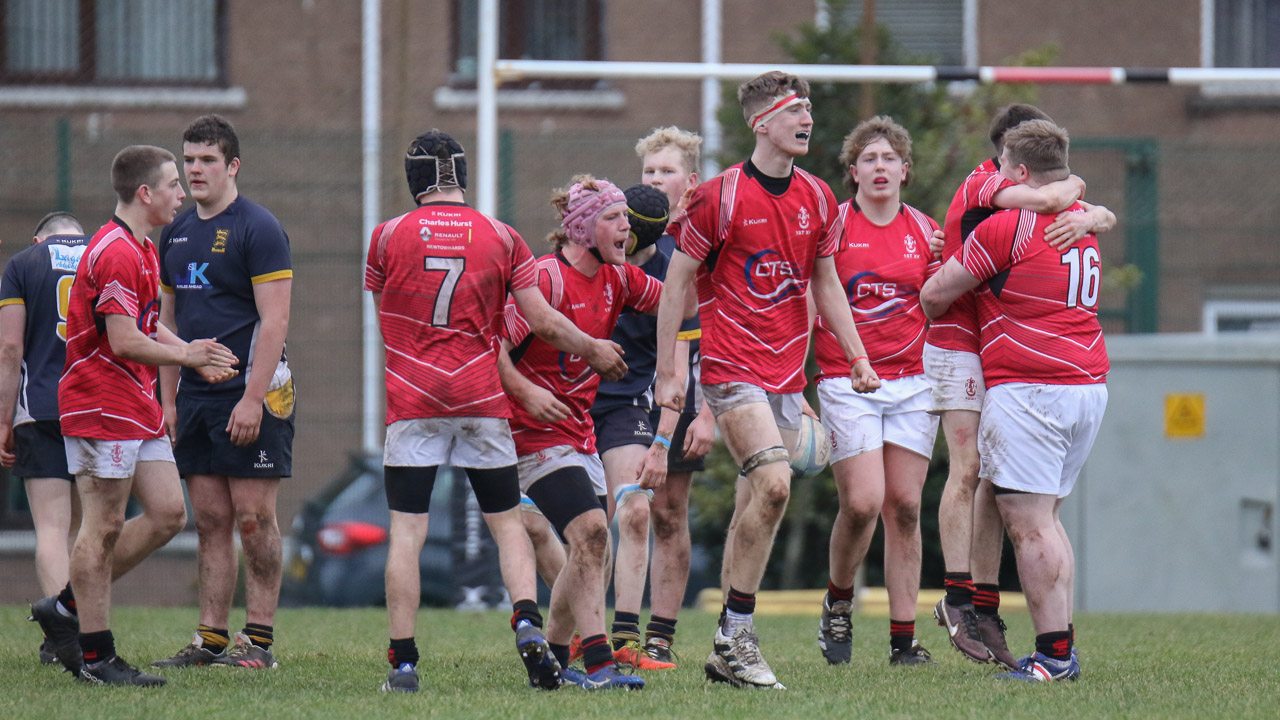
x=688 y=143
x=135 y=166
x=214 y=130
x=755 y=94
x=867 y=132
x=1011 y=116
x=1041 y=146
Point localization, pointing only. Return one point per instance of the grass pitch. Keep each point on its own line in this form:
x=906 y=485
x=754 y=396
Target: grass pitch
x=332 y=663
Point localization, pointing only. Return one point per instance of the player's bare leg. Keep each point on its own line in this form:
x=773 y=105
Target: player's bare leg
x=216 y=556
x=753 y=438
x=164 y=514
x=741 y=498
x=987 y=545
x=956 y=530
x=622 y=466
x=1043 y=558
x=516 y=558
x=51 y=514
x=860 y=489
x=254 y=500
x=103 y=500
x=904 y=473
x=548 y=551
x=955 y=511
x=671 y=545
x=407 y=535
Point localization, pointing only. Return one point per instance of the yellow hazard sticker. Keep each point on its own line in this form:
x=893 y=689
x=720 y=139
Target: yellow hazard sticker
x=1184 y=415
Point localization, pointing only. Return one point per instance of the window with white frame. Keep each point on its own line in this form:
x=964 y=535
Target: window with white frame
x=1242 y=33
x=112 y=42
x=530 y=30
x=941 y=31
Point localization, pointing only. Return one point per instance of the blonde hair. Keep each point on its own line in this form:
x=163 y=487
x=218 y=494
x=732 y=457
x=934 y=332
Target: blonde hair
x=755 y=94
x=867 y=132
x=558 y=238
x=689 y=144
x=1041 y=146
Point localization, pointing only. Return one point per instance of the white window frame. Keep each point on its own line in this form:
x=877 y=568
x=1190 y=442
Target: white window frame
x=1215 y=310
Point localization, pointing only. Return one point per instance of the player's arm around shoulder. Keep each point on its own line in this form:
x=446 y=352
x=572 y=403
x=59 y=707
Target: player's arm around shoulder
x=603 y=355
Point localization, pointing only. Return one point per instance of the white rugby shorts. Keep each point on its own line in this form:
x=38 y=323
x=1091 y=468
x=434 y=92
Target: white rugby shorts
x=466 y=442
x=114 y=459
x=897 y=413
x=535 y=466
x=955 y=376
x=1035 y=438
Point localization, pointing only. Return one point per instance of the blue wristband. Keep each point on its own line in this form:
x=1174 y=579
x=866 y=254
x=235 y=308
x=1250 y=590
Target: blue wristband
x=663 y=441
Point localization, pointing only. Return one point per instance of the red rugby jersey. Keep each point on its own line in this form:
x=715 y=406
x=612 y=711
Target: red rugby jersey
x=882 y=270
x=957 y=329
x=101 y=395
x=444 y=271
x=757 y=252
x=593 y=304
x=1038 y=307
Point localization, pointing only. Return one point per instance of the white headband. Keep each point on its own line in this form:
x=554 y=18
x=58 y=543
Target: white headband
x=780 y=103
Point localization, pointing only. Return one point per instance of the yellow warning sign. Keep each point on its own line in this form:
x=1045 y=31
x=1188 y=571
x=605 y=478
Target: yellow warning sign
x=1184 y=415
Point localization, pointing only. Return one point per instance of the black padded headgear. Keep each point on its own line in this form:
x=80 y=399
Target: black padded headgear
x=648 y=211
x=434 y=161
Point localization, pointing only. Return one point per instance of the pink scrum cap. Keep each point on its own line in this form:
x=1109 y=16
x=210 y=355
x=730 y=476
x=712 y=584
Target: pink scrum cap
x=585 y=205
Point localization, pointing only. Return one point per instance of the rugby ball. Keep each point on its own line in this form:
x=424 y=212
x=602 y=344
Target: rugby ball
x=813 y=449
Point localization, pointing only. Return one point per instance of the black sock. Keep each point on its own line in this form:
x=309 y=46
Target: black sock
x=596 y=653
x=401 y=651
x=626 y=628
x=260 y=635
x=68 y=599
x=661 y=627
x=215 y=640
x=838 y=593
x=986 y=598
x=1071 y=629
x=97 y=646
x=561 y=652
x=960 y=588
x=901 y=633
x=1056 y=645
x=740 y=602
x=525 y=610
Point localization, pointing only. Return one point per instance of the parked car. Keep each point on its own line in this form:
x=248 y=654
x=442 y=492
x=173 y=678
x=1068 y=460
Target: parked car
x=336 y=553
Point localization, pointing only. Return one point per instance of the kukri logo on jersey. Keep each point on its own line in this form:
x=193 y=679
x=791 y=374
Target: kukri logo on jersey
x=771 y=278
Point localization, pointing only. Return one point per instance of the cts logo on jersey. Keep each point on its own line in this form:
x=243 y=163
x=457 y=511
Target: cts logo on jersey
x=149 y=319
x=803 y=218
x=220 y=240
x=771 y=278
x=194 y=277
x=869 y=284
x=572 y=368
x=909 y=243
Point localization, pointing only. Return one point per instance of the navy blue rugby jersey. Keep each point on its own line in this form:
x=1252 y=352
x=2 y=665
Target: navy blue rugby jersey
x=211 y=267
x=637 y=333
x=40 y=278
